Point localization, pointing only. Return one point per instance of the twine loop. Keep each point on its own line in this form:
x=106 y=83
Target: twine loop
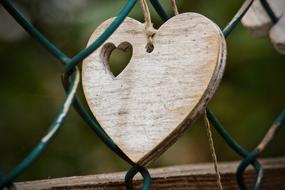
x=149 y=29
x=174 y=7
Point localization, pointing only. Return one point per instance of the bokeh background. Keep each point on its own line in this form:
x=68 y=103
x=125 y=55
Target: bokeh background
x=250 y=96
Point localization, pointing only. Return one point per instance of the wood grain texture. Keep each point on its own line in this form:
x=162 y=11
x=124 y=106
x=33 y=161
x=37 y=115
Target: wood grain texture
x=186 y=177
x=259 y=23
x=159 y=94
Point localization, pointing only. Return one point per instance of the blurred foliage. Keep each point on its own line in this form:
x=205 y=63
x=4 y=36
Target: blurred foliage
x=250 y=96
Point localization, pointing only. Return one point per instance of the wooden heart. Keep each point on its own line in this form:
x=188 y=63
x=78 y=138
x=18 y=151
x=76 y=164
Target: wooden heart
x=159 y=94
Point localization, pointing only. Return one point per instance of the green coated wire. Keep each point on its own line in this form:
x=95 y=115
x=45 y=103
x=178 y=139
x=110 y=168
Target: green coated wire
x=251 y=157
x=70 y=65
x=155 y=3
x=226 y=31
x=132 y=172
x=51 y=133
x=237 y=148
x=217 y=125
x=269 y=11
x=277 y=124
x=237 y=18
x=103 y=37
x=63 y=58
x=79 y=107
x=10 y=186
x=95 y=126
x=160 y=10
x=34 y=32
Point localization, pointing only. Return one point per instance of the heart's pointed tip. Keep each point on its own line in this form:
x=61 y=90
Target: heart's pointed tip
x=139 y=154
x=144 y=156
x=140 y=159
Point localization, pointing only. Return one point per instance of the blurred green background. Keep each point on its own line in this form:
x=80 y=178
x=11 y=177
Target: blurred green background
x=250 y=96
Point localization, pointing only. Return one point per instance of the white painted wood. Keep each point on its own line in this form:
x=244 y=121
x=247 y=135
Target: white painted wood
x=259 y=23
x=159 y=94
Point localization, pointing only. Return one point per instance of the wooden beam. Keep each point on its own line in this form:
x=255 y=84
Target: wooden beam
x=192 y=177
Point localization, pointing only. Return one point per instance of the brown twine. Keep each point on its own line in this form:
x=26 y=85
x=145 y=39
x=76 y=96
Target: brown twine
x=213 y=152
x=150 y=31
x=174 y=7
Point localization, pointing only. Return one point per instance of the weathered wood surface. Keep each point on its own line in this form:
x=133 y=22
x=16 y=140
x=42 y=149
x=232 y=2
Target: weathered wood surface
x=191 y=177
x=259 y=23
x=159 y=94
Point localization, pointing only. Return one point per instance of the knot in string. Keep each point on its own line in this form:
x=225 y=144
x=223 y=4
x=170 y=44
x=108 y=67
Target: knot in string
x=150 y=31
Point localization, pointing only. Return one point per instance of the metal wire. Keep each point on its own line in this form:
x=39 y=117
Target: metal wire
x=10 y=186
x=95 y=126
x=103 y=37
x=45 y=141
x=212 y=118
x=34 y=32
x=237 y=18
x=269 y=11
x=70 y=69
x=237 y=148
x=132 y=172
x=70 y=80
x=70 y=63
x=160 y=10
x=275 y=127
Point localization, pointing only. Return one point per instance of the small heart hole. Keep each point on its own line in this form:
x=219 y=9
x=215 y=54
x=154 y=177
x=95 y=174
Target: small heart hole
x=115 y=58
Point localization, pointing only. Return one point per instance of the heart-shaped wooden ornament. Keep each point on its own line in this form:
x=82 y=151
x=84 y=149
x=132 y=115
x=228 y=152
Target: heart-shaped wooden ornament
x=159 y=94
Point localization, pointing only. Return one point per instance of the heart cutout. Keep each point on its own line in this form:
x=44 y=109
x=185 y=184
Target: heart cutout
x=116 y=58
x=159 y=94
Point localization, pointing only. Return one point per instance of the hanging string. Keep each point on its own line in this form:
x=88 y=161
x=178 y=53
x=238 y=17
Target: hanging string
x=150 y=31
x=174 y=7
x=213 y=151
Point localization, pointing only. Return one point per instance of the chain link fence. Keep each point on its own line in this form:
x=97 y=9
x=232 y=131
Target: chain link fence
x=70 y=82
